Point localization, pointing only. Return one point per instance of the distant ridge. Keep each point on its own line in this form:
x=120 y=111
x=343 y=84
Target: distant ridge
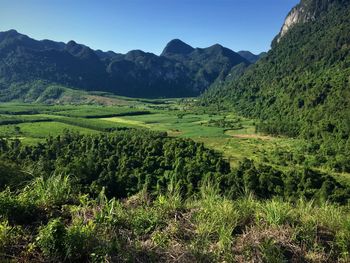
x=180 y=71
x=252 y=58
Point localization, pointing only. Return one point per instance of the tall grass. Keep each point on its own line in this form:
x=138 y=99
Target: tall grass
x=53 y=191
x=167 y=228
x=274 y=212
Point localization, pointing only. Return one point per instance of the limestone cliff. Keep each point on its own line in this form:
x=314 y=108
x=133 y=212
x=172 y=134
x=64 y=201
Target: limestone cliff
x=305 y=11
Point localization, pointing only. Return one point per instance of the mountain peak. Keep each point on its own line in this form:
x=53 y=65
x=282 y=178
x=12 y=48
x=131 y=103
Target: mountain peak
x=11 y=32
x=217 y=48
x=177 y=47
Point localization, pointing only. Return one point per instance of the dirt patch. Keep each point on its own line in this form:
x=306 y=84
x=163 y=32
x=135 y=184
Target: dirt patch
x=174 y=133
x=256 y=245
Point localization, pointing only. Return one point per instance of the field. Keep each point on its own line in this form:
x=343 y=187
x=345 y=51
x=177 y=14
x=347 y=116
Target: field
x=231 y=135
x=33 y=123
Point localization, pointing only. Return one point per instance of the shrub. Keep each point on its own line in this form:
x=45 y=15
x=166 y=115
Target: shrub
x=144 y=220
x=11 y=176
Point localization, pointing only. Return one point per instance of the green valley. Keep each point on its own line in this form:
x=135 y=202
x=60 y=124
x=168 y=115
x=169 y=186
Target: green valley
x=184 y=155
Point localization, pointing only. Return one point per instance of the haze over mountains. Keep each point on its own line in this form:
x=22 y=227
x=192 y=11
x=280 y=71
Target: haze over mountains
x=180 y=71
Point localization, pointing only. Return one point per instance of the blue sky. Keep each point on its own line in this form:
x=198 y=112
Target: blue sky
x=123 y=25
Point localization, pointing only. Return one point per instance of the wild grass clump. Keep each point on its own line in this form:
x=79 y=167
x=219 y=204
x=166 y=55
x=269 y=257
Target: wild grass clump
x=214 y=219
x=295 y=232
x=274 y=212
x=53 y=191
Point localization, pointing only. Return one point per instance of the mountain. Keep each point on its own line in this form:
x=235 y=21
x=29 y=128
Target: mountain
x=252 y=58
x=177 y=47
x=302 y=86
x=180 y=71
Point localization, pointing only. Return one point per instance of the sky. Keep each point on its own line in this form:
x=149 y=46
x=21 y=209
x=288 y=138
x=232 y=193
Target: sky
x=124 y=25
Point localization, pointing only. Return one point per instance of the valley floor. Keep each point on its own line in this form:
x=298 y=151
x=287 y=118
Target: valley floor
x=233 y=136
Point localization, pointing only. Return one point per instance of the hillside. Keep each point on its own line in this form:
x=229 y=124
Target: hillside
x=301 y=88
x=137 y=195
x=180 y=71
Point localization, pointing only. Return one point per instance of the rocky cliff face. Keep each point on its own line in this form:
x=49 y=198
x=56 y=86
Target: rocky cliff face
x=305 y=11
x=298 y=15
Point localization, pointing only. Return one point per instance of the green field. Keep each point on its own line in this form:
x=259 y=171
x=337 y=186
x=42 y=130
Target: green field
x=33 y=123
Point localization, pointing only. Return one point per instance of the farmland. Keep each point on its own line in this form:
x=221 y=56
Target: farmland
x=35 y=122
x=229 y=134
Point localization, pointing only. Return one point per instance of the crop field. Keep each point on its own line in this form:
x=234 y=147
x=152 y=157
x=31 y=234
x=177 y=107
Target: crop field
x=231 y=135
x=33 y=123
x=31 y=133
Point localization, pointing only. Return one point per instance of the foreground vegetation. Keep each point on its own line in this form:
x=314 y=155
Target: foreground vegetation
x=50 y=221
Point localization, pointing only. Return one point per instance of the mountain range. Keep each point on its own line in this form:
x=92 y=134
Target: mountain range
x=28 y=66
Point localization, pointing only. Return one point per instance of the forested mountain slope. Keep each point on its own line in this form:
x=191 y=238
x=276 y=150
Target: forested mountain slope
x=302 y=86
x=25 y=62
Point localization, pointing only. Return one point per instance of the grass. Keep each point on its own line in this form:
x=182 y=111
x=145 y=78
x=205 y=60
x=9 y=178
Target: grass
x=92 y=111
x=126 y=122
x=205 y=228
x=188 y=125
x=35 y=132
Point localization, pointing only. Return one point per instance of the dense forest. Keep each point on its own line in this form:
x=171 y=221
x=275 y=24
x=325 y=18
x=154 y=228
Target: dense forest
x=124 y=163
x=301 y=88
